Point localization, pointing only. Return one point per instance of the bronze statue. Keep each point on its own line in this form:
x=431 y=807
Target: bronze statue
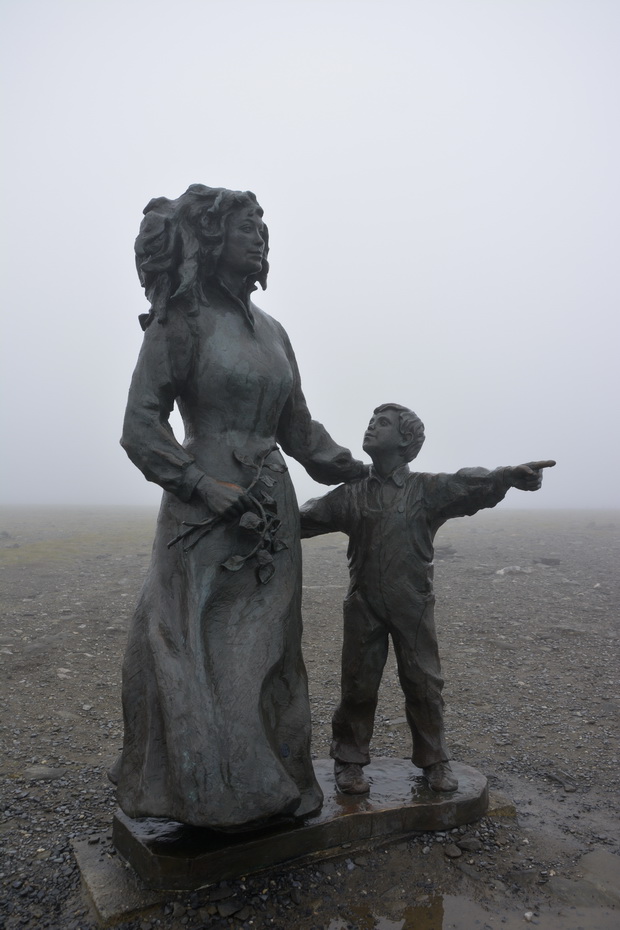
x=215 y=702
x=391 y=517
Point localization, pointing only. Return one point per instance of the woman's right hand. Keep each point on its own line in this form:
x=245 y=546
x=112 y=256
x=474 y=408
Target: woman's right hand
x=223 y=498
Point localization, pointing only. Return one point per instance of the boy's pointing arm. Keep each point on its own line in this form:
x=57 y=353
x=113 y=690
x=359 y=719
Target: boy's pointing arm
x=472 y=489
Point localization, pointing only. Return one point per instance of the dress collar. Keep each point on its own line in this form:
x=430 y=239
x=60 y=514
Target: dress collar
x=398 y=476
x=244 y=304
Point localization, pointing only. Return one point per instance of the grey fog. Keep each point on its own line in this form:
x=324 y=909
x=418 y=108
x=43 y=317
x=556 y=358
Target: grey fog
x=440 y=181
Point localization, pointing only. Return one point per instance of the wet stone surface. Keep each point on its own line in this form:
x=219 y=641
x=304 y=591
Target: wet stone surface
x=170 y=855
x=531 y=666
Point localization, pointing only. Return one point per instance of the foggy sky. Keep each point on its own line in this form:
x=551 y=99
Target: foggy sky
x=441 y=185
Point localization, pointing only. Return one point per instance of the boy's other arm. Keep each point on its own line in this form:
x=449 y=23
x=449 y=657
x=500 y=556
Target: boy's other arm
x=323 y=514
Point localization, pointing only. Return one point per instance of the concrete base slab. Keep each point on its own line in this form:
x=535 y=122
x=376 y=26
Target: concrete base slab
x=114 y=889
x=173 y=856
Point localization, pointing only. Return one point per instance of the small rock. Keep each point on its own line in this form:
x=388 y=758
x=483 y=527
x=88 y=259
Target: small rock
x=514 y=570
x=219 y=894
x=452 y=851
x=43 y=773
x=470 y=844
x=228 y=908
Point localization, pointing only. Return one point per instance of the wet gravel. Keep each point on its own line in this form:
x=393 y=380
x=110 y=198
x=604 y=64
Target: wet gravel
x=528 y=625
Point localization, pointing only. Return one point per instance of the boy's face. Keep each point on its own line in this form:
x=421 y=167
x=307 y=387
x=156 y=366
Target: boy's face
x=383 y=433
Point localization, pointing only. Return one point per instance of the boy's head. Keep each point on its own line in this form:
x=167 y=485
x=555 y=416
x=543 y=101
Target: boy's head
x=394 y=428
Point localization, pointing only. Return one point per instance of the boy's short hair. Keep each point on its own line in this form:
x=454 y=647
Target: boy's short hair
x=409 y=423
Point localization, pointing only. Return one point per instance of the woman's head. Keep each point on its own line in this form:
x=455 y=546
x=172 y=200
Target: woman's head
x=184 y=241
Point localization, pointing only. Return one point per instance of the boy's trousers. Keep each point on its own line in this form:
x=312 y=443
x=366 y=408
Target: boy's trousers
x=364 y=653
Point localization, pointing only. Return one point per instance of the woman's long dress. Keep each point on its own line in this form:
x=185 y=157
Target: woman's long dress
x=215 y=700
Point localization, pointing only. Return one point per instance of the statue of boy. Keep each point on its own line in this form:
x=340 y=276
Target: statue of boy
x=391 y=517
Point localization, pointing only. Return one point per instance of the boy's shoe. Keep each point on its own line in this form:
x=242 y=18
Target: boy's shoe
x=350 y=778
x=440 y=777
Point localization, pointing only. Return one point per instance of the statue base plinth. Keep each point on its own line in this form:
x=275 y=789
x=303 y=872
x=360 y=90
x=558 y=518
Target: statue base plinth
x=173 y=856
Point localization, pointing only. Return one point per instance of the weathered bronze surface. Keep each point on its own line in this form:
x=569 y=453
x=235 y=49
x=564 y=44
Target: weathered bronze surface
x=170 y=855
x=215 y=700
x=391 y=517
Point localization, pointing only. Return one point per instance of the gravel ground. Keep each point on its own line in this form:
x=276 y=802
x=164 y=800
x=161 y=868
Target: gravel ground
x=528 y=626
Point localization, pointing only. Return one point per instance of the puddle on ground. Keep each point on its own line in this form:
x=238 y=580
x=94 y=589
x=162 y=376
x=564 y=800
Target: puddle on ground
x=456 y=912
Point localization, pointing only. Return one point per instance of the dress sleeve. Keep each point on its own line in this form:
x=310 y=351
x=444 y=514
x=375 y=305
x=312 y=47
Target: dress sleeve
x=325 y=514
x=163 y=366
x=304 y=439
x=465 y=492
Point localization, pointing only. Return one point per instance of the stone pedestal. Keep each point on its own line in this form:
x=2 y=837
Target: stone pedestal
x=173 y=856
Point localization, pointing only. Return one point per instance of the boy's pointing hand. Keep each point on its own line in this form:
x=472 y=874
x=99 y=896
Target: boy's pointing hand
x=529 y=477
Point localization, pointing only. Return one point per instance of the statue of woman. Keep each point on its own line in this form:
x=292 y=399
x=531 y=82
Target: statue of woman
x=215 y=700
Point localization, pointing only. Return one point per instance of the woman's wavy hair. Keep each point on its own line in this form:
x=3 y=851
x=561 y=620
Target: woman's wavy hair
x=180 y=243
x=409 y=424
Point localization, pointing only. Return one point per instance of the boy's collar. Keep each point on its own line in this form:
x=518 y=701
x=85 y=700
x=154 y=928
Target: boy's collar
x=398 y=476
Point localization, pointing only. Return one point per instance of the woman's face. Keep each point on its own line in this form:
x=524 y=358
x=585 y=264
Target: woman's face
x=244 y=245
